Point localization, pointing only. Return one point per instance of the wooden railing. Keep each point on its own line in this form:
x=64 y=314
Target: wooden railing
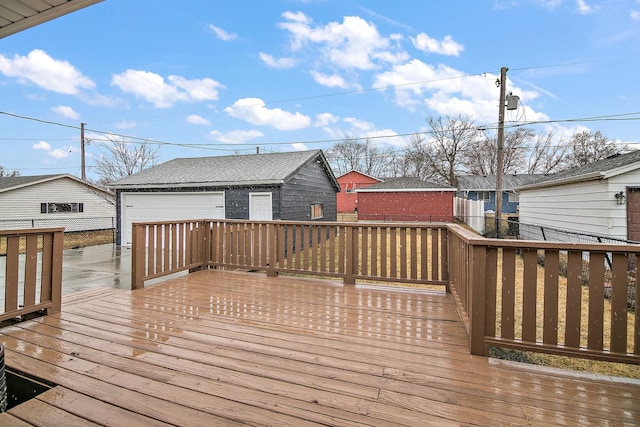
x=406 y=253
x=559 y=298
x=33 y=271
x=577 y=300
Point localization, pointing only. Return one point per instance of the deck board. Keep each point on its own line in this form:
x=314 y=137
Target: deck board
x=229 y=348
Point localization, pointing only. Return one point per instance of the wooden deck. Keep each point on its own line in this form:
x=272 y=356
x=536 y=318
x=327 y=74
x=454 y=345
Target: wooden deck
x=229 y=348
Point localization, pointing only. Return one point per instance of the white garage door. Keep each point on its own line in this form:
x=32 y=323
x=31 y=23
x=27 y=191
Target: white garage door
x=144 y=207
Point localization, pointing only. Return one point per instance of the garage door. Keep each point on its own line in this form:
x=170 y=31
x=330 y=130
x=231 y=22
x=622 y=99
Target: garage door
x=144 y=207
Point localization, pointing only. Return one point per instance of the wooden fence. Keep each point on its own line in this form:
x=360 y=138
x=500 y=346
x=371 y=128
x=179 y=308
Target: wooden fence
x=32 y=271
x=567 y=299
x=380 y=252
x=575 y=300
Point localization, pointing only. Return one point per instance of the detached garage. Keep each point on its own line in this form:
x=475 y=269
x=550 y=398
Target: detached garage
x=406 y=200
x=289 y=186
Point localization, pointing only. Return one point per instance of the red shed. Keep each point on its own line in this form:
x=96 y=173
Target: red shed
x=406 y=199
x=347 y=198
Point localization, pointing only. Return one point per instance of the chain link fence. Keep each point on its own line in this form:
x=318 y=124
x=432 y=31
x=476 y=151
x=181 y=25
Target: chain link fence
x=70 y=224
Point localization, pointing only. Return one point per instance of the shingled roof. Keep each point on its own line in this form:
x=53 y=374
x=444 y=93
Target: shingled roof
x=488 y=182
x=8 y=183
x=238 y=170
x=601 y=169
x=404 y=184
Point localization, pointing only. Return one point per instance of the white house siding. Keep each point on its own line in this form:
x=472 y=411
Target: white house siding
x=20 y=208
x=587 y=207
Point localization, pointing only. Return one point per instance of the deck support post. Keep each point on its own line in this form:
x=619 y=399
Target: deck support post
x=139 y=253
x=272 y=257
x=351 y=255
x=477 y=285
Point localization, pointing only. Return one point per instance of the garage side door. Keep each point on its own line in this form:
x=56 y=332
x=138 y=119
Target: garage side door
x=144 y=207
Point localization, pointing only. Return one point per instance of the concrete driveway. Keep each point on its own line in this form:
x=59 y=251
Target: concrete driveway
x=96 y=266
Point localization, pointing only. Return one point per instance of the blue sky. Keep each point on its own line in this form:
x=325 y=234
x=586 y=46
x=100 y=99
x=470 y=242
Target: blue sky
x=206 y=78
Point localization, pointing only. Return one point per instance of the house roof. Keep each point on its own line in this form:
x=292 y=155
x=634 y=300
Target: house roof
x=8 y=183
x=488 y=182
x=353 y=171
x=601 y=169
x=18 y=15
x=404 y=184
x=218 y=171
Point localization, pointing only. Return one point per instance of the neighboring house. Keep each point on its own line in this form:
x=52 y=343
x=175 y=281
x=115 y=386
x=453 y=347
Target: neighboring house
x=54 y=201
x=483 y=187
x=601 y=198
x=406 y=199
x=288 y=186
x=349 y=183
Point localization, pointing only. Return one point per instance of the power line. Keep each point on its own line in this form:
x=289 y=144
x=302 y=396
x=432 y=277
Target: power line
x=210 y=146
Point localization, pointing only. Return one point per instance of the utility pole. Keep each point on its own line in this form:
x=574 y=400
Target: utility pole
x=503 y=89
x=82 y=165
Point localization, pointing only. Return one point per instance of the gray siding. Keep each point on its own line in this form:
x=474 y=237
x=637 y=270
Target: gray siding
x=309 y=185
x=237 y=201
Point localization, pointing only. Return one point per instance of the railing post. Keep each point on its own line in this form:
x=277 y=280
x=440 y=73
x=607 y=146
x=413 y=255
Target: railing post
x=350 y=256
x=137 y=256
x=56 y=272
x=272 y=235
x=477 y=278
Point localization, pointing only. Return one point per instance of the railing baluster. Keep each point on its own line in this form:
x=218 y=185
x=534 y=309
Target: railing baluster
x=574 y=299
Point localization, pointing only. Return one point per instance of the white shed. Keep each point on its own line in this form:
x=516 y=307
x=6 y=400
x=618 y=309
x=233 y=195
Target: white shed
x=599 y=199
x=54 y=201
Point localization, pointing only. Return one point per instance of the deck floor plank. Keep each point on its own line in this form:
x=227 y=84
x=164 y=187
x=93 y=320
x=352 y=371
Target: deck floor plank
x=223 y=348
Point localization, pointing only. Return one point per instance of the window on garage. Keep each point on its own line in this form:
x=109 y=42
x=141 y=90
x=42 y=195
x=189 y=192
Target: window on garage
x=317 y=211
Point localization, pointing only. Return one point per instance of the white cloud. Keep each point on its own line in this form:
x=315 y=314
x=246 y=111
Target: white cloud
x=430 y=45
x=236 y=136
x=325 y=119
x=354 y=44
x=635 y=15
x=583 y=7
x=363 y=129
x=42 y=145
x=58 y=153
x=163 y=94
x=446 y=90
x=222 y=34
x=253 y=110
x=65 y=111
x=332 y=80
x=42 y=70
x=299 y=146
x=277 y=63
x=197 y=120
x=61 y=153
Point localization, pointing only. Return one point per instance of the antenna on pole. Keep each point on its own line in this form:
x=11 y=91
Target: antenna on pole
x=82 y=164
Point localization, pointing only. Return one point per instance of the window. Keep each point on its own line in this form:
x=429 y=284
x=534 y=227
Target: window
x=484 y=196
x=52 y=207
x=317 y=211
x=513 y=198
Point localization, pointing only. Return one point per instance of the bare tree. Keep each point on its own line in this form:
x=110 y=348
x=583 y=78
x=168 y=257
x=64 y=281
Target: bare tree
x=123 y=158
x=482 y=158
x=7 y=173
x=588 y=147
x=417 y=162
x=365 y=157
x=451 y=140
x=547 y=154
